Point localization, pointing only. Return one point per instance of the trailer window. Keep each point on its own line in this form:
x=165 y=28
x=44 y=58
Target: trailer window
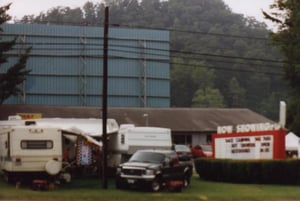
x=36 y=144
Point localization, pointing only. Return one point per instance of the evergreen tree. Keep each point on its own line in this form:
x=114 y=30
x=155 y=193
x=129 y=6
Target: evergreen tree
x=11 y=78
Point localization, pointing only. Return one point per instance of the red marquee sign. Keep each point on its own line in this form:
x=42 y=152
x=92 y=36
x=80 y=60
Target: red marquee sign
x=250 y=145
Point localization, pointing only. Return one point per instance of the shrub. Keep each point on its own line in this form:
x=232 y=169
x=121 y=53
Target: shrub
x=249 y=171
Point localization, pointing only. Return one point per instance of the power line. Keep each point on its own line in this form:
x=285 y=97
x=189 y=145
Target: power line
x=199 y=32
x=160 y=55
x=194 y=32
x=166 y=61
x=154 y=49
x=230 y=69
x=189 y=55
x=85 y=23
x=167 y=51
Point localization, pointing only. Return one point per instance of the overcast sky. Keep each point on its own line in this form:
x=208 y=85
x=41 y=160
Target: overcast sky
x=20 y=8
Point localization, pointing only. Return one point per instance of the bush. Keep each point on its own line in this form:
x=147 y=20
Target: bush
x=249 y=171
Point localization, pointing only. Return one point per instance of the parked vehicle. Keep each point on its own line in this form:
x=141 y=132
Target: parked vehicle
x=47 y=148
x=202 y=150
x=152 y=170
x=184 y=152
x=31 y=150
x=185 y=157
x=130 y=138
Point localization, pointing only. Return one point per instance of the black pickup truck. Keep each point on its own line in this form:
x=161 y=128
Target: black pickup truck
x=153 y=170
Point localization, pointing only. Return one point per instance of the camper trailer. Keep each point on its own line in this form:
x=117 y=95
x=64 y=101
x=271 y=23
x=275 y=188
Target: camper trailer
x=46 y=148
x=30 y=150
x=130 y=138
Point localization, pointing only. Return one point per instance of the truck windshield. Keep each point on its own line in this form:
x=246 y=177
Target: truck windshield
x=147 y=157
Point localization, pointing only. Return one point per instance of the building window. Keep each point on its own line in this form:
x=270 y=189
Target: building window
x=182 y=139
x=208 y=139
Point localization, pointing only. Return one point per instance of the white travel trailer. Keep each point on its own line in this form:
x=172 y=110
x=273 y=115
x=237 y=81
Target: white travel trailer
x=129 y=139
x=30 y=149
x=37 y=148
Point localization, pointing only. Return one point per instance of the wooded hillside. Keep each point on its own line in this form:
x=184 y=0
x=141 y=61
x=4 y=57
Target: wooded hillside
x=218 y=58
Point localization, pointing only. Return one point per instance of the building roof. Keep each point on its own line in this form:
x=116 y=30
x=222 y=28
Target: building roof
x=177 y=119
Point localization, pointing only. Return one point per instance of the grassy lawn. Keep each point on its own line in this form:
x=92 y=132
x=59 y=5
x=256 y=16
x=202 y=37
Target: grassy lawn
x=91 y=189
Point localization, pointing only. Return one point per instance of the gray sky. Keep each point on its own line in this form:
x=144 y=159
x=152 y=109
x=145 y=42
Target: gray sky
x=20 y=8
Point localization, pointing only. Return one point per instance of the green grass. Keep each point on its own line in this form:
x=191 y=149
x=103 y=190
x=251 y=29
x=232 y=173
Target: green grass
x=91 y=189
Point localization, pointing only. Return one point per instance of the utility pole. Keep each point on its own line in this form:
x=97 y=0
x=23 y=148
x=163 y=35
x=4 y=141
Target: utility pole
x=104 y=101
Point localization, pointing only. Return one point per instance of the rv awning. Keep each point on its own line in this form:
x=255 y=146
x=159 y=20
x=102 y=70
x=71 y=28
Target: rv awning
x=76 y=132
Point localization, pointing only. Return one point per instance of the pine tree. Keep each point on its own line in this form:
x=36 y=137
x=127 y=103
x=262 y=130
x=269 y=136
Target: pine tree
x=11 y=78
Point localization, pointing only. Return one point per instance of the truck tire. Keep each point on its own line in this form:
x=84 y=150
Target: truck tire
x=155 y=185
x=187 y=176
x=186 y=181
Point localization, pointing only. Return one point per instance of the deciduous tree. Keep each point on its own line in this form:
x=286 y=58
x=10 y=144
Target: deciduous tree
x=287 y=38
